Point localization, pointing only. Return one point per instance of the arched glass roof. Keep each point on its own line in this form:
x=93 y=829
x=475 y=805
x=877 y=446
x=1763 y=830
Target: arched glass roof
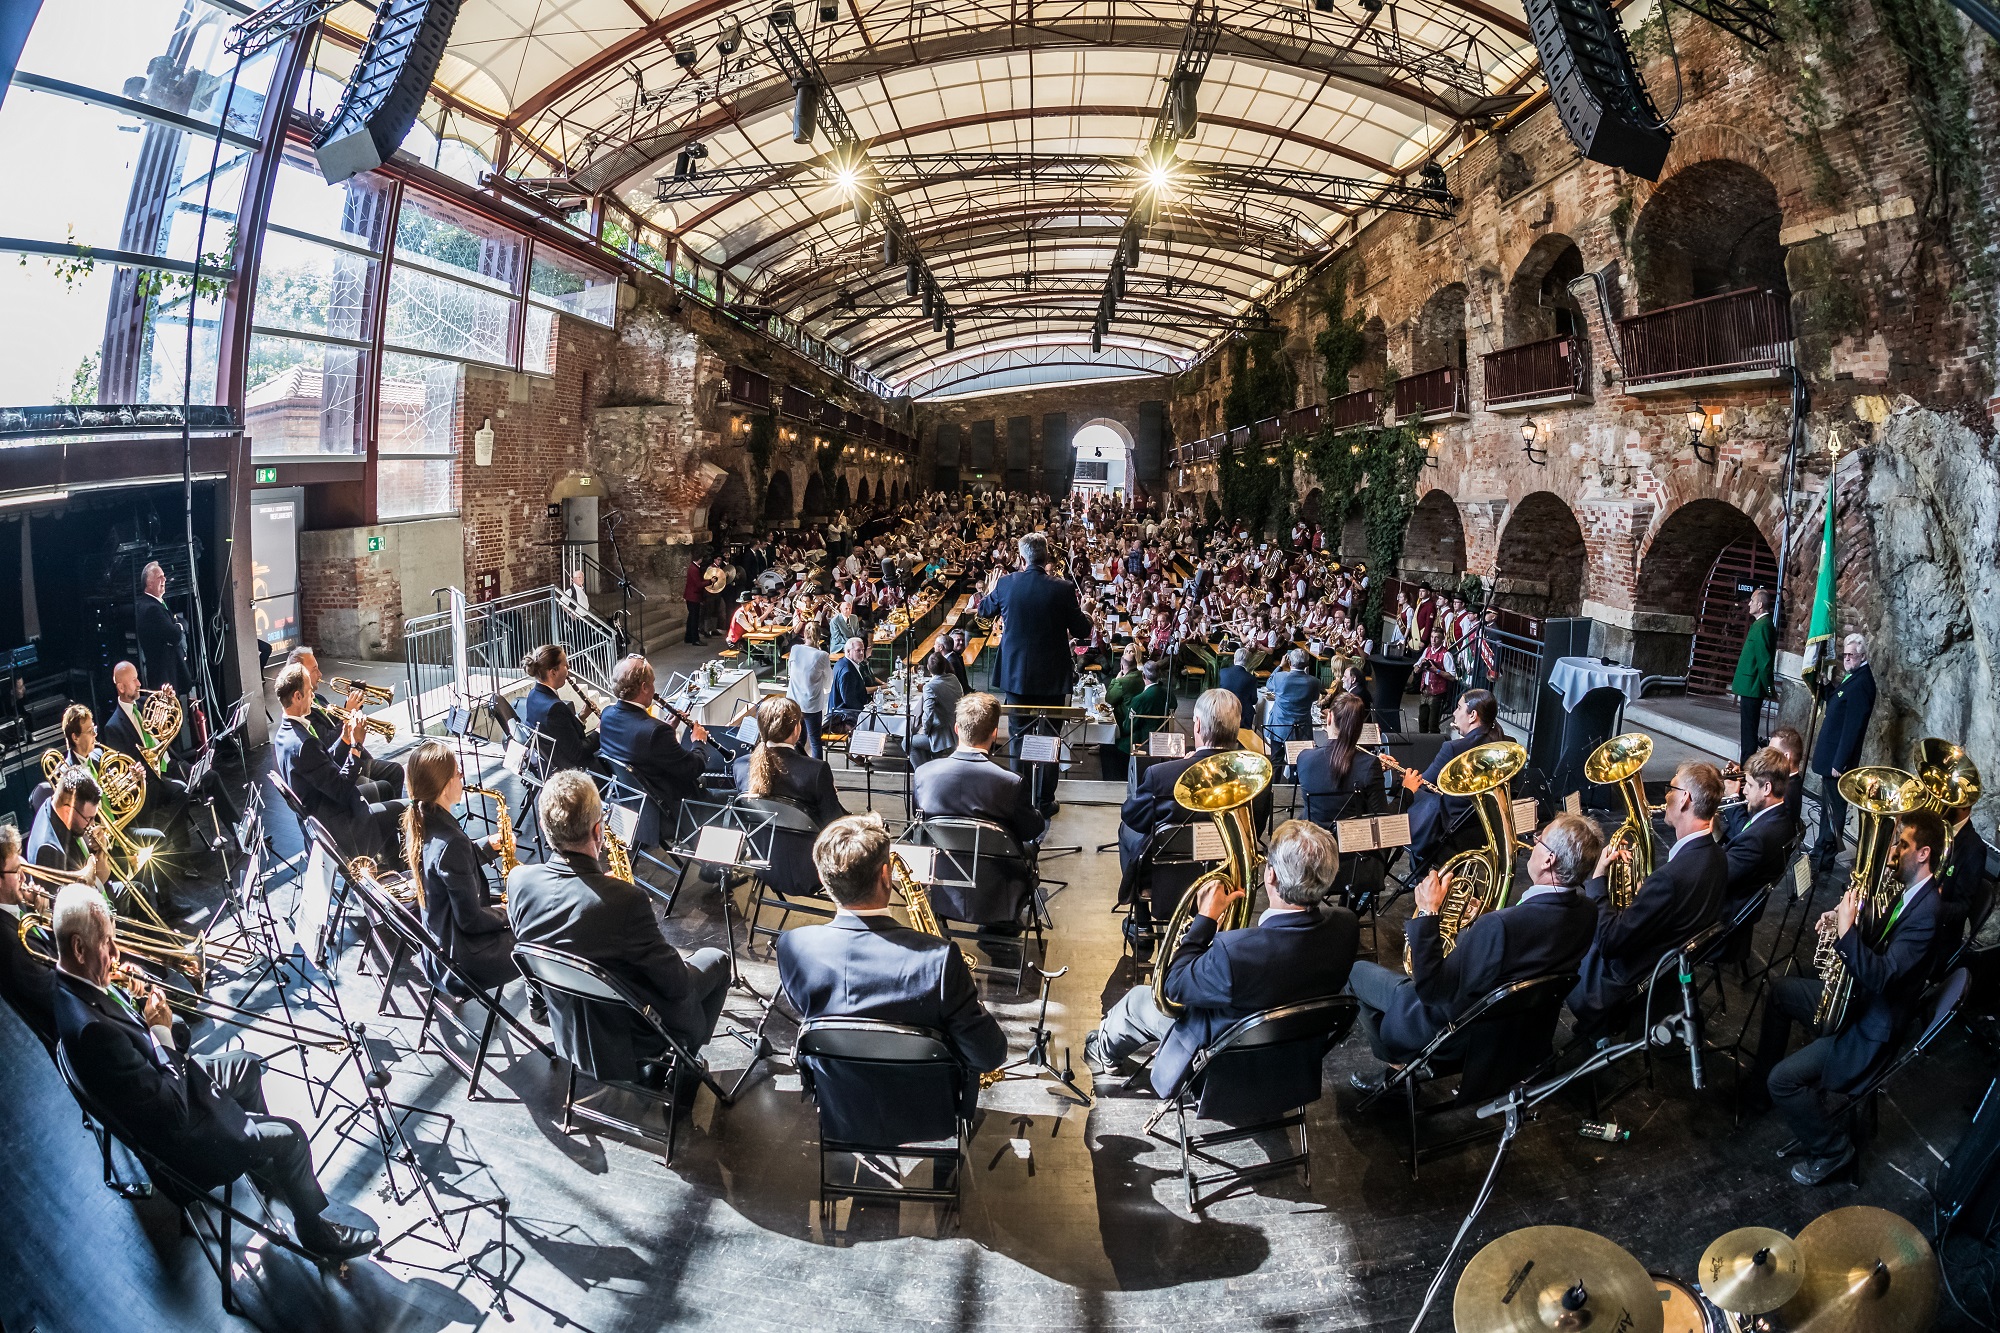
x=1011 y=144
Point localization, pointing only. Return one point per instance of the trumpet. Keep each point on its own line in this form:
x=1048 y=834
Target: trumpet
x=375 y=696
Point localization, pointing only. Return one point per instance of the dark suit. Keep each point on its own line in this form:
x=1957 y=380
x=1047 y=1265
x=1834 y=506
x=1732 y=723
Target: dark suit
x=1042 y=616
x=162 y=647
x=1240 y=682
x=1327 y=798
x=172 y=1105
x=28 y=983
x=325 y=785
x=668 y=771
x=166 y=799
x=1544 y=935
x=796 y=777
x=966 y=784
x=1754 y=850
x=52 y=844
x=458 y=908
x=543 y=710
x=1432 y=816
x=1678 y=899
x=849 y=694
x=1837 y=750
x=567 y=903
x=380 y=779
x=1959 y=883
x=872 y=967
x=1221 y=978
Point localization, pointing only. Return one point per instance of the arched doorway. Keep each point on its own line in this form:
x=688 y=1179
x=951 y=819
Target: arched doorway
x=1539 y=303
x=729 y=511
x=1309 y=508
x=813 y=507
x=861 y=494
x=842 y=496
x=1540 y=566
x=778 y=498
x=1434 y=541
x=1439 y=337
x=1103 y=449
x=1710 y=229
x=1699 y=569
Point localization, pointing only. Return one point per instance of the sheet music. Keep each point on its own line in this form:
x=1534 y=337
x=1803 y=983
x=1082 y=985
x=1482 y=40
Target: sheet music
x=515 y=759
x=1525 y=814
x=315 y=899
x=1355 y=835
x=1040 y=750
x=1207 y=842
x=718 y=845
x=1392 y=831
x=867 y=744
x=1573 y=803
x=922 y=861
x=621 y=820
x=1293 y=749
x=1166 y=745
x=1371 y=733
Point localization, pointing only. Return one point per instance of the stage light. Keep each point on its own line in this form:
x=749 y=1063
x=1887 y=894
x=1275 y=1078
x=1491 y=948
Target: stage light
x=805 y=110
x=845 y=179
x=730 y=38
x=781 y=16
x=889 y=248
x=828 y=11
x=912 y=279
x=684 y=54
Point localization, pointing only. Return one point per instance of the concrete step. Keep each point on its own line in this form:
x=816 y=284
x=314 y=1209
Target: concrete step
x=1654 y=715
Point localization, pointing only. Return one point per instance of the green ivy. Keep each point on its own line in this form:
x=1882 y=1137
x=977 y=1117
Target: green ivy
x=1262 y=382
x=1343 y=345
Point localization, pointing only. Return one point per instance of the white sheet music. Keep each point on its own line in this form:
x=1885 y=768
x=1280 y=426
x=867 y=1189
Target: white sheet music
x=1207 y=842
x=1392 y=831
x=718 y=846
x=1293 y=749
x=1355 y=835
x=622 y=820
x=1525 y=813
x=515 y=759
x=1371 y=733
x=315 y=900
x=1166 y=745
x=867 y=744
x=1573 y=803
x=1040 y=750
x=922 y=861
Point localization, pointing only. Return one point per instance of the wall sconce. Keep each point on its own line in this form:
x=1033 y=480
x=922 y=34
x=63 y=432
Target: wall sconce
x=1529 y=433
x=482 y=444
x=1433 y=446
x=1697 y=424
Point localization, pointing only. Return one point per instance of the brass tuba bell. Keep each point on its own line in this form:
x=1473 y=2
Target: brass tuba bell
x=1950 y=779
x=1878 y=794
x=1616 y=763
x=1482 y=875
x=1221 y=786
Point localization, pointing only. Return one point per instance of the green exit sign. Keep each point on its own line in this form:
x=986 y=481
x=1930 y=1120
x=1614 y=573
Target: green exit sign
x=267 y=476
x=374 y=544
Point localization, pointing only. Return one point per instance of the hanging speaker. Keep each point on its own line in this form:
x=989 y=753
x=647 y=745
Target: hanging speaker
x=912 y=278
x=805 y=111
x=889 y=249
x=1596 y=87
x=386 y=90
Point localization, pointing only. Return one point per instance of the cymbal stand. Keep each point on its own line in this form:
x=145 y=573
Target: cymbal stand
x=1037 y=1061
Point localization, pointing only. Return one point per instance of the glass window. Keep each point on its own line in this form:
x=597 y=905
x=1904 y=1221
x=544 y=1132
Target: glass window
x=417 y=437
x=166 y=53
x=146 y=344
x=538 y=340
x=432 y=314
x=415 y=488
x=304 y=397
x=573 y=287
x=354 y=211
x=311 y=288
x=443 y=239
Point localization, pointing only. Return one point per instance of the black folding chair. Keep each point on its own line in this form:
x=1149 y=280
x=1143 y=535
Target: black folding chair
x=1502 y=1040
x=578 y=989
x=1166 y=869
x=1257 y=1077
x=865 y=1076
x=983 y=875
x=778 y=840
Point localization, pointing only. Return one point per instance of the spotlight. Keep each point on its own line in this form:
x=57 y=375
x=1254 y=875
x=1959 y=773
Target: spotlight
x=729 y=38
x=684 y=165
x=828 y=11
x=1131 y=249
x=950 y=338
x=1323 y=6
x=805 y=110
x=889 y=255
x=1096 y=339
x=1372 y=6
x=912 y=278
x=930 y=302
x=863 y=210
x=781 y=16
x=937 y=318
x=684 y=54
x=1435 y=184
x=1185 y=86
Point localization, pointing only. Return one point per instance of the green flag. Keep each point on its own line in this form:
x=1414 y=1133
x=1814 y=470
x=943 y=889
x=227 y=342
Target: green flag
x=1821 y=628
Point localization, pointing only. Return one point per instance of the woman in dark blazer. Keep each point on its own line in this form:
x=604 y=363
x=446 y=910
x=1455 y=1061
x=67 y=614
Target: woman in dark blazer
x=1337 y=778
x=447 y=868
x=777 y=767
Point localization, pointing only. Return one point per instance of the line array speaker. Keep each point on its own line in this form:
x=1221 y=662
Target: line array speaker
x=1596 y=85
x=386 y=90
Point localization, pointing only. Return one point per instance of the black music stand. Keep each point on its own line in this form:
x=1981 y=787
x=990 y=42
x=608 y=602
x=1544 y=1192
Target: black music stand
x=1043 y=720
x=868 y=763
x=734 y=851
x=1036 y=1063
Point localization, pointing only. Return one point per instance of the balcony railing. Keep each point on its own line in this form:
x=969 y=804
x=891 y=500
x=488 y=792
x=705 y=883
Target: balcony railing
x=1239 y=437
x=1302 y=420
x=1740 y=332
x=1270 y=430
x=1433 y=393
x=1535 y=371
x=1354 y=409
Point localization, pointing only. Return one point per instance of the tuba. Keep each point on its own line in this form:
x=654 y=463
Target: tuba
x=503 y=829
x=1879 y=794
x=1617 y=763
x=1221 y=786
x=1950 y=779
x=1482 y=875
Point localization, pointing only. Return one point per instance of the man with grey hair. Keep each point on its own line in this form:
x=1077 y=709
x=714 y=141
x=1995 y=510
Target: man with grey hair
x=1839 y=746
x=1300 y=949
x=1545 y=933
x=629 y=735
x=848 y=696
x=162 y=639
x=204 y=1118
x=1241 y=681
x=569 y=903
x=1041 y=617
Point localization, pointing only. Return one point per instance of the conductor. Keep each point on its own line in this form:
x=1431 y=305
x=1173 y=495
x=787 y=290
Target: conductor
x=1042 y=616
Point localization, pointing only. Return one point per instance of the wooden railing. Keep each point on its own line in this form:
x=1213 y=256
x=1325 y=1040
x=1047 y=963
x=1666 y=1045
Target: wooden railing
x=1354 y=409
x=1748 y=330
x=1536 y=370
x=1433 y=391
x=1302 y=420
x=1270 y=430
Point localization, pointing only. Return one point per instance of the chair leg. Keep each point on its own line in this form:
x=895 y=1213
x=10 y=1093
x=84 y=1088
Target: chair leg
x=1416 y=1148
x=479 y=1059
x=569 y=1103
x=1305 y=1149
x=1187 y=1157
x=226 y=1268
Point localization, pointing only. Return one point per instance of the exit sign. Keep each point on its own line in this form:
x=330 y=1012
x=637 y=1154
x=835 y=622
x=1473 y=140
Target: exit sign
x=374 y=544
x=267 y=476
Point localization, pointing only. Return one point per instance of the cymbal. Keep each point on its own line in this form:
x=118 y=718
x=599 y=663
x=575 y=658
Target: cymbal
x=1555 y=1278
x=1751 y=1270
x=1866 y=1269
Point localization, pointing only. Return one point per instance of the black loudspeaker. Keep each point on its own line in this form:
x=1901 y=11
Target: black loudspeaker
x=386 y=90
x=1596 y=86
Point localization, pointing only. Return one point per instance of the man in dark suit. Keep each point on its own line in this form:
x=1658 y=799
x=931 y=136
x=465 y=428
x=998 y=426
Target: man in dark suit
x=628 y=734
x=1545 y=933
x=28 y=983
x=863 y=964
x=1678 y=899
x=545 y=711
x=162 y=641
x=848 y=697
x=1839 y=746
x=1240 y=681
x=1756 y=837
x=1788 y=742
x=203 y=1118
x=1433 y=817
x=59 y=838
x=1299 y=950
x=1042 y=616
x=568 y=903
x=1890 y=962
x=324 y=782
x=381 y=779
x=953 y=649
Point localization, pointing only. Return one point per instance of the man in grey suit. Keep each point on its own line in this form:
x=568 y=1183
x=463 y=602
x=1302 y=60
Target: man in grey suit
x=568 y=903
x=967 y=784
x=865 y=964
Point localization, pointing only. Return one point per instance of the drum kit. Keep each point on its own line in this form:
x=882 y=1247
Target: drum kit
x=1855 y=1270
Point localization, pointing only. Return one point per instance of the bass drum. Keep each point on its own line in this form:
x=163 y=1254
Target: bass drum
x=1687 y=1310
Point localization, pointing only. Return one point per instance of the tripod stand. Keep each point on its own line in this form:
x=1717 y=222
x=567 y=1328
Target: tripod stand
x=1043 y=720
x=1037 y=1059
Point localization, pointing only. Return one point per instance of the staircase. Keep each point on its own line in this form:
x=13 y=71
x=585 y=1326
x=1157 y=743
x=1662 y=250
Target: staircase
x=1725 y=617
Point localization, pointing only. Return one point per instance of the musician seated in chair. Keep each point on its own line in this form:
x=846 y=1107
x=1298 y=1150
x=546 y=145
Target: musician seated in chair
x=1683 y=895
x=26 y=981
x=328 y=783
x=1299 y=949
x=1889 y=960
x=969 y=784
x=380 y=779
x=569 y=903
x=447 y=866
x=1337 y=778
x=167 y=798
x=1546 y=932
x=545 y=711
x=205 y=1118
x=1433 y=817
x=852 y=685
x=62 y=838
x=865 y=964
x=779 y=767
x=628 y=733
x=1757 y=834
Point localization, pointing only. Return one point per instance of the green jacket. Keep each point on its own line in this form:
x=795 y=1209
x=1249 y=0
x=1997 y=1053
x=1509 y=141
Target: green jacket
x=1753 y=667
x=1118 y=697
x=1149 y=704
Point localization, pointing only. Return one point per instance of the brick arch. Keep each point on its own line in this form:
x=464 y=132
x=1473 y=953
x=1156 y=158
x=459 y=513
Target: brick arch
x=1539 y=289
x=813 y=503
x=843 y=494
x=862 y=493
x=1711 y=227
x=1434 y=541
x=1676 y=561
x=778 y=497
x=1309 y=507
x=1542 y=562
x=729 y=509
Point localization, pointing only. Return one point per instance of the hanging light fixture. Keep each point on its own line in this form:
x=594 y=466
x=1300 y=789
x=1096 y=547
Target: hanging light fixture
x=1539 y=456
x=1697 y=424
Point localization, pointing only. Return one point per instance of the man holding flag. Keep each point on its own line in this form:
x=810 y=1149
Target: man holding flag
x=1852 y=698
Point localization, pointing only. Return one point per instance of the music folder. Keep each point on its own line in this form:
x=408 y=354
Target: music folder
x=718 y=846
x=1371 y=733
x=1207 y=842
x=867 y=744
x=1373 y=835
x=1040 y=750
x=1525 y=812
x=921 y=861
x=1293 y=749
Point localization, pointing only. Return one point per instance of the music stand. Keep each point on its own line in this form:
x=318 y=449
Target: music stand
x=689 y=829
x=1047 y=720
x=870 y=757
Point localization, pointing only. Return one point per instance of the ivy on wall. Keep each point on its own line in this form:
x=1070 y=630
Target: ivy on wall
x=1262 y=382
x=1342 y=346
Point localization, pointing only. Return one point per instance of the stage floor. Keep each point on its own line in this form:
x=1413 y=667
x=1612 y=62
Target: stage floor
x=1072 y=1217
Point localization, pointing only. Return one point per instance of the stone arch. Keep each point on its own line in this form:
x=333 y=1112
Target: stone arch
x=813 y=504
x=778 y=497
x=861 y=493
x=1709 y=228
x=729 y=511
x=1309 y=508
x=843 y=495
x=1539 y=303
x=1438 y=337
x=1691 y=601
x=1540 y=566
x=1434 y=541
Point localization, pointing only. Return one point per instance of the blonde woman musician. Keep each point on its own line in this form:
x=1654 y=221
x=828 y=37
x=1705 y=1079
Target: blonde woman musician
x=446 y=868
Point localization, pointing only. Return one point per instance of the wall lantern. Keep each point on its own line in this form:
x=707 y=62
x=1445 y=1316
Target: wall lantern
x=1697 y=423
x=482 y=444
x=1539 y=456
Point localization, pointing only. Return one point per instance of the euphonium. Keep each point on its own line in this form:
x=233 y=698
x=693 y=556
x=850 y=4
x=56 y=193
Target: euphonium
x=503 y=829
x=1222 y=786
x=1879 y=794
x=1617 y=763
x=1482 y=875
x=397 y=884
x=1950 y=779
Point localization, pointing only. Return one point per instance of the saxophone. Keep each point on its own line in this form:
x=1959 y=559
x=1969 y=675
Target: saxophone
x=917 y=905
x=1879 y=794
x=503 y=829
x=617 y=860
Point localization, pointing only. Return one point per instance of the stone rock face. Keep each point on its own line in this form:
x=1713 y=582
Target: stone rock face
x=1931 y=498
